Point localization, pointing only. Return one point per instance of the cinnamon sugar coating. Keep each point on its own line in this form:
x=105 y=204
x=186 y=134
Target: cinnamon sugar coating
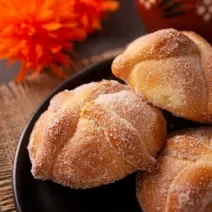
x=95 y=134
x=182 y=181
x=172 y=70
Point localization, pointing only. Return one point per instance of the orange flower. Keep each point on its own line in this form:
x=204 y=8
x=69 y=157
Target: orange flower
x=40 y=33
x=90 y=12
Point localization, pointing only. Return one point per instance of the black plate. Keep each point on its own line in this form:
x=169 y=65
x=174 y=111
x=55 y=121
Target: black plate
x=45 y=196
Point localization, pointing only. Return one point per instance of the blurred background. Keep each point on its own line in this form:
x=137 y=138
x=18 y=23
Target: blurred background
x=134 y=18
x=119 y=28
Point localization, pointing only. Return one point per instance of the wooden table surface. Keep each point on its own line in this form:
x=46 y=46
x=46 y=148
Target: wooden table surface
x=119 y=29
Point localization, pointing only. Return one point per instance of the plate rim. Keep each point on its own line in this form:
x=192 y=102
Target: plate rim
x=31 y=121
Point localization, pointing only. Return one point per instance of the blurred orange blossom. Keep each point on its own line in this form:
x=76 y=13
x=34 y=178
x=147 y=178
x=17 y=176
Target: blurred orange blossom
x=41 y=33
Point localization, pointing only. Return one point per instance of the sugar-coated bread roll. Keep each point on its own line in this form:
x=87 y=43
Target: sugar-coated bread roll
x=182 y=181
x=95 y=134
x=172 y=70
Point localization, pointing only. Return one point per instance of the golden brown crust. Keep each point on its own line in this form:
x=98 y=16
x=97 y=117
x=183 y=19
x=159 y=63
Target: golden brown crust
x=95 y=134
x=182 y=181
x=172 y=70
x=206 y=58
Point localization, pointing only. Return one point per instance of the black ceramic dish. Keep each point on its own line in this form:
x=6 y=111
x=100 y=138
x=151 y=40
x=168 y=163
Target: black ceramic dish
x=32 y=195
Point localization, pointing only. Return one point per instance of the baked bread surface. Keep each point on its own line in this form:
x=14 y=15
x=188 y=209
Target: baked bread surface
x=182 y=181
x=172 y=70
x=95 y=134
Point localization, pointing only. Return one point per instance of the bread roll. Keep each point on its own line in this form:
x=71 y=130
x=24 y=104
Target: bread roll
x=172 y=70
x=95 y=134
x=182 y=181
